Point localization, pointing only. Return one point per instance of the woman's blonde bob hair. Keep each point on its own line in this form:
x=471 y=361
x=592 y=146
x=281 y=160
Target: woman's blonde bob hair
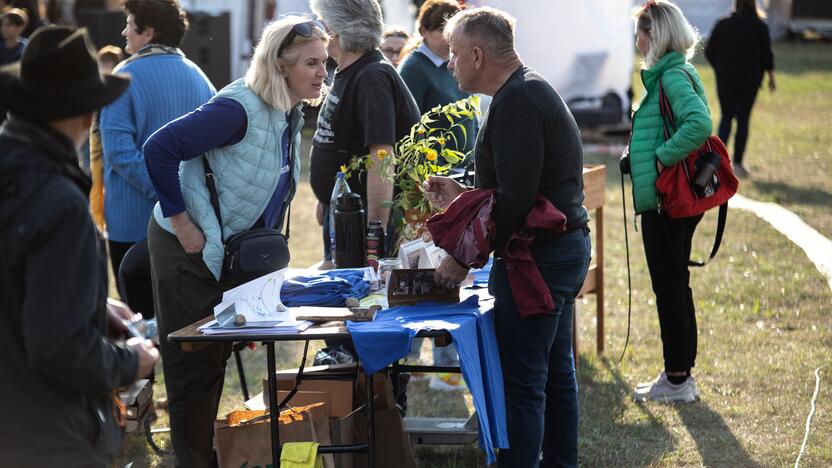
x=265 y=76
x=668 y=29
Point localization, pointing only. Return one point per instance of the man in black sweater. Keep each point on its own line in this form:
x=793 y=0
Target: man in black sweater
x=528 y=145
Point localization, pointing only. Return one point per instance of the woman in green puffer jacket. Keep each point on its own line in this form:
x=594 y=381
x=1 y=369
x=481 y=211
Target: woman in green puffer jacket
x=666 y=41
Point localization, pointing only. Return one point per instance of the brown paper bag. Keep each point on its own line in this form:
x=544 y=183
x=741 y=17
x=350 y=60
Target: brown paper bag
x=243 y=438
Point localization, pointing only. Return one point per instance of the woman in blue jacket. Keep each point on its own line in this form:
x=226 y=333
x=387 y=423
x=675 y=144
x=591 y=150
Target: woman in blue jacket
x=250 y=134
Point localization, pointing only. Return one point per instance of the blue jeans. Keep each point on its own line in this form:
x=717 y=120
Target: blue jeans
x=536 y=355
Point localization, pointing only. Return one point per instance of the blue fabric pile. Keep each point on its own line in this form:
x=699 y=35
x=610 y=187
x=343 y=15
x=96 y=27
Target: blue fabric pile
x=327 y=289
x=387 y=339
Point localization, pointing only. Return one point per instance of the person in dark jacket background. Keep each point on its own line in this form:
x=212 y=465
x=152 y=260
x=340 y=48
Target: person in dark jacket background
x=740 y=52
x=60 y=363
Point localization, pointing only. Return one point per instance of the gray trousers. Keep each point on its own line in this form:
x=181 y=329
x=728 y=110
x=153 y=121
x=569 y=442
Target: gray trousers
x=184 y=291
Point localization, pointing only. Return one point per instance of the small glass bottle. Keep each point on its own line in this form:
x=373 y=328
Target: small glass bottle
x=375 y=243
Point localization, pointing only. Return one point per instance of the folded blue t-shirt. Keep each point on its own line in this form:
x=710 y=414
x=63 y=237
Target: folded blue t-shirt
x=327 y=289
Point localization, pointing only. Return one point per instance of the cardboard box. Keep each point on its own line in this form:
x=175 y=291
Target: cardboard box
x=249 y=444
x=340 y=391
x=344 y=426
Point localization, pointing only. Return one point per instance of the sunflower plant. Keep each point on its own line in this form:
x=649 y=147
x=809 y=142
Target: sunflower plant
x=425 y=151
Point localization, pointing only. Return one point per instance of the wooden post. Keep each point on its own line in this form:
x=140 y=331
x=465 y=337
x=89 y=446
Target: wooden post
x=594 y=187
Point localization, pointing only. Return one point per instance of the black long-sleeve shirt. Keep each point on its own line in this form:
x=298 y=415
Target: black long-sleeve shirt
x=739 y=49
x=529 y=144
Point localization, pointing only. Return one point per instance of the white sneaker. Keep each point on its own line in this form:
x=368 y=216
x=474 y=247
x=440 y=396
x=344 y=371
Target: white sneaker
x=661 y=376
x=691 y=381
x=662 y=390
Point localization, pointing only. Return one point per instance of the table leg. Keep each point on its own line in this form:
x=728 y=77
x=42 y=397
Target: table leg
x=395 y=376
x=242 y=372
x=599 y=279
x=371 y=421
x=274 y=412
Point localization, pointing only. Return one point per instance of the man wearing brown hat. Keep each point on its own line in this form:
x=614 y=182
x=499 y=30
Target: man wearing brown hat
x=60 y=363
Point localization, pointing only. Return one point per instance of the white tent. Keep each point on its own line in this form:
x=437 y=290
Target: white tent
x=583 y=48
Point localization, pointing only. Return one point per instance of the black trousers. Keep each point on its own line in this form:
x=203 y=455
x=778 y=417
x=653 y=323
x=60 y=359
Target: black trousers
x=736 y=102
x=134 y=283
x=667 y=244
x=184 y=291
x=117 y=252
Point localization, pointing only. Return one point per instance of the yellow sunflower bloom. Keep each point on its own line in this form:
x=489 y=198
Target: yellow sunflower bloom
x=381 y=154
x=343 y=168
x=431 y=155
x=441 y=140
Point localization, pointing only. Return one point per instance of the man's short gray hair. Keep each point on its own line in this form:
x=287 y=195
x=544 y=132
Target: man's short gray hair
x=358 y=23
x=489 y=28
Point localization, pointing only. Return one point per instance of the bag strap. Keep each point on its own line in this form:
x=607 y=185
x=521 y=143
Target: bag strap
x=215 y=199
x=722 y=218
x=664 y=104
x=212 y=191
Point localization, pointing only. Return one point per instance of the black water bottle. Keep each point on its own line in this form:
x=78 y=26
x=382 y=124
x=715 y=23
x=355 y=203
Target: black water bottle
x=707 y=166
x=350 y=234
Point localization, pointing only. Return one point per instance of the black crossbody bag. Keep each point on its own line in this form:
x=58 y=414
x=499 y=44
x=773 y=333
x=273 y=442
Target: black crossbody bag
x=253 y=253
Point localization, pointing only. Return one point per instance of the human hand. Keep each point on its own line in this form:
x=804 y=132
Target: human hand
x=449 y=273
x=319 y=213
x=772 y=87
x=118 y=314
x=440 y=191
x=190 y=236
x=148 y=355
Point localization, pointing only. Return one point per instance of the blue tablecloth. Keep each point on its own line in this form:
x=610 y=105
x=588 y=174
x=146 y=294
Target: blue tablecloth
x=387 y=339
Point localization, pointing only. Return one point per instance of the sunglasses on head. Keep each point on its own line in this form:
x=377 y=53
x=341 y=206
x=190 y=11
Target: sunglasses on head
x=305 y=29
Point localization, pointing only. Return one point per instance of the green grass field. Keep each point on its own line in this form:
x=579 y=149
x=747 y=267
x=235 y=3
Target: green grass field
x=763 y=313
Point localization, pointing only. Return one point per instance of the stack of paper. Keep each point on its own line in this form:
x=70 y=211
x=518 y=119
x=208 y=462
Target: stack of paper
x=286 y=327
x=256 y=303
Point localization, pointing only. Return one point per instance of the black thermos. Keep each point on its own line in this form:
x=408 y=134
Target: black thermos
x=350 y=237
x=708 y=165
